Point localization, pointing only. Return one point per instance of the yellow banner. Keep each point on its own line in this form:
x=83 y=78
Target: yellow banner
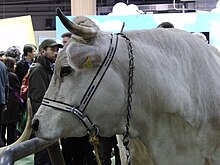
x=16 y=31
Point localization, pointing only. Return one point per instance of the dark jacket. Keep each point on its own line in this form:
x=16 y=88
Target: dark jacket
x=11 y=115
x=22 y=67
x=39 y=80
x=3 y=83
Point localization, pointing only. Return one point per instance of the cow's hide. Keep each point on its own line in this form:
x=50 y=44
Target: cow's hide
x=176 y=93
x=138 y=152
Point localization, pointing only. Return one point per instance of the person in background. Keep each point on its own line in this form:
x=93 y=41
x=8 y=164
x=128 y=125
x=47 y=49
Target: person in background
x=22 y=66
x=201 y=36
x=165 y=25
x=11 y=115
x=106 y=144
x=39 y=80
x=2 y=53
x=65 y=37
x=13 y=52
x=4 y=83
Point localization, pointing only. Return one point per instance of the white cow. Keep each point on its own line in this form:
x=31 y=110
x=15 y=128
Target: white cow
x=175 y=100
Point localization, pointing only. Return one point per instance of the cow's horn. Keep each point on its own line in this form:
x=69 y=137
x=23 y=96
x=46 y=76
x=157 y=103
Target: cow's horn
x=82 y=31
x=27 y=131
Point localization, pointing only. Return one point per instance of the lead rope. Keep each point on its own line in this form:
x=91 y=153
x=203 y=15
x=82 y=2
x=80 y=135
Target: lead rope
x=129 y=98
x=94 y=141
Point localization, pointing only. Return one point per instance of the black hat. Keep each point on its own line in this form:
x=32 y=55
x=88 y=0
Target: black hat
x=50 y=43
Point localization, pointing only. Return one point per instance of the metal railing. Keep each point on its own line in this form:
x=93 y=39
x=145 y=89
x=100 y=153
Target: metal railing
x=18 y=151
x=184 y=2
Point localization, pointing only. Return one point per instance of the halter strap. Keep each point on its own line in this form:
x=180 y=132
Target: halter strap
x=100 y=73
x=69 y=108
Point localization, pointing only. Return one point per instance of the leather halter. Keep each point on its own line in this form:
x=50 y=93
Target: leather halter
x=79 y=111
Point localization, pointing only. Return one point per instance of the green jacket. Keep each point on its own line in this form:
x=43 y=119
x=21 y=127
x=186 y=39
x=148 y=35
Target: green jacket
x=39 y=80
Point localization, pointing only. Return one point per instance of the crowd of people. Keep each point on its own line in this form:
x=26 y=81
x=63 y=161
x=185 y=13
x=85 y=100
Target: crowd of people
x=13 y=103
x=39 y=66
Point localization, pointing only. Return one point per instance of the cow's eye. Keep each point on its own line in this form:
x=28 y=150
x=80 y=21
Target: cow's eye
x=65 y=70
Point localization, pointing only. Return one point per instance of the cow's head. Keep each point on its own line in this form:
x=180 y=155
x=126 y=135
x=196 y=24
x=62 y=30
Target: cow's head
x=75 y=68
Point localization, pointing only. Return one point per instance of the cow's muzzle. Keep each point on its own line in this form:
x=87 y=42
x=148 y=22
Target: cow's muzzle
x=35 y=125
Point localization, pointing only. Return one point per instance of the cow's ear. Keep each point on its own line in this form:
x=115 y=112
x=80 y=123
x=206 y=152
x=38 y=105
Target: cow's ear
x=81 y=56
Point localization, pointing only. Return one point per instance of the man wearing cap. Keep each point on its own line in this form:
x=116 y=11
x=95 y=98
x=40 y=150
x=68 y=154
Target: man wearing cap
x=39 y=80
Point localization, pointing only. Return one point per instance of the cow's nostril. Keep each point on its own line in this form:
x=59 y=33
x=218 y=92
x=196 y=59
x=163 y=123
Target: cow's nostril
x=35 y=125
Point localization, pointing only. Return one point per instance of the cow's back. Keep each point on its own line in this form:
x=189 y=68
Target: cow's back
x=176 y=96
x=179 y=68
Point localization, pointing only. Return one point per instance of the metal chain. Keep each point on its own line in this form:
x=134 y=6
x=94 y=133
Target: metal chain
x=129 y=98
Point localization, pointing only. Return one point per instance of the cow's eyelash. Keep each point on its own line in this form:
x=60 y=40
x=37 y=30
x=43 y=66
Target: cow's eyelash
x=65 y=70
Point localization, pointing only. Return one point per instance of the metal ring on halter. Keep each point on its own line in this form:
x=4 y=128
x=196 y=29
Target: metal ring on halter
x=95 y=129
